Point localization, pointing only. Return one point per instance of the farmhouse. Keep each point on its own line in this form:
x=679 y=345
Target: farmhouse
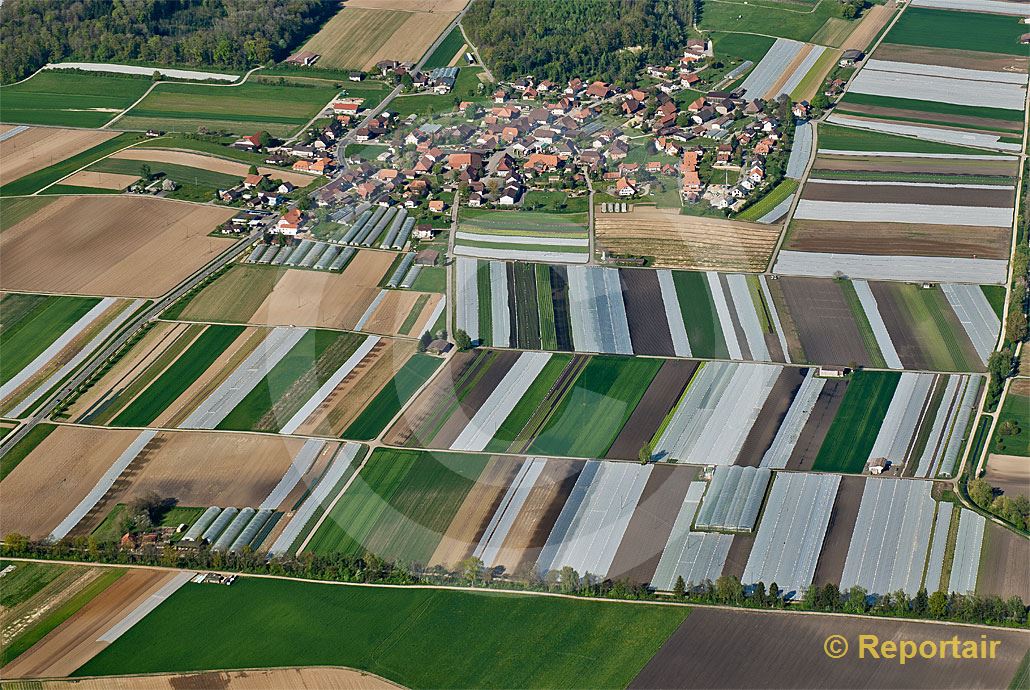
x=849 y=58
x=289 y=224
x=304 y=58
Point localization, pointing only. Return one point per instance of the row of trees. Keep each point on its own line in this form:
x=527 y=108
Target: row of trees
x=592 y=39
x=221 y=33
x=471 y=572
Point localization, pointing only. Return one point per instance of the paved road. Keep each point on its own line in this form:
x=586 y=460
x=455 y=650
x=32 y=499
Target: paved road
x=127 y=332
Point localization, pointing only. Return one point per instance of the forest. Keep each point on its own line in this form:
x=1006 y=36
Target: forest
x=592 y=39
x=218 y=33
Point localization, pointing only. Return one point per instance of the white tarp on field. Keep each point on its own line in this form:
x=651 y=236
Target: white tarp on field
x=947 y=72
x=927 y=133
x=1019 y=9
x=923 y=87
x=771 y=67
x=937 y=269
x=933 y=214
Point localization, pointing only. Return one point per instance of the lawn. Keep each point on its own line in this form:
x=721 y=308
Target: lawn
x=234 y=296
x=769 y=201
x=787 y=20
x=33 y=182
x=837 y=138
x=63 y=98
x=446 y=51
x=387 y=403
x=555 y=202
x=22 y=449
x=989 y=33
x=179 y=376
x=15 y=210
x=528 y=404
x=415 y=637
x=593 y=412
x=292 y=381
x=854 y=429
x=400 y=505
x=1015 y=411
x=699 y=315
x=31 y=323
x=431 y=279
x=251 y=107
x=466 y=88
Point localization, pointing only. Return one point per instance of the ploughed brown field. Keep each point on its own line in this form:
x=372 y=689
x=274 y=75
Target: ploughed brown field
x=40 y=147
x=678 y=241
x=949 y=57
x=898 y=239
x=771 y=416
x=873 y=19
x=843 y=517
x=721 y=648
x=824 y=321
x=1010 y=473
x=321 y=678
x=909 y=194
x=985 y=124
x=660 y=397
x=806 y=450
x=110 y=245
x=902 y=164
x=1003 y=564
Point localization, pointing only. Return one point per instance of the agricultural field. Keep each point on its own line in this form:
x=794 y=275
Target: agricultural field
x=156 y=158
x=244 y=109
x=799 y=21
x=669 y=239
x=30 y=149
x=525 y=235
x=364 y=33
x=46 y=337
x=785 y=67
x=120 y=246
x=352 y=300
x=59 y=99
x=957 y=30
x=1007 y=465
x=46 y=179
x=464 y=654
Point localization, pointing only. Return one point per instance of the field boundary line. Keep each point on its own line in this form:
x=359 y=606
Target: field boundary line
x=258 y=669
x=524 y=592
x=332 y=504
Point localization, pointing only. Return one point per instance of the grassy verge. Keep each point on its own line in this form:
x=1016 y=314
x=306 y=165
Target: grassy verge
x=769 y=201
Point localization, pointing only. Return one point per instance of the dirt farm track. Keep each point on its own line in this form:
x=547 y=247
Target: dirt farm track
x=257 y=679
x=123 y=246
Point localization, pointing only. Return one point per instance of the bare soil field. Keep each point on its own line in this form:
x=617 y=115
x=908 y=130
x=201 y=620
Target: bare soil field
x=99 y=180
x=948 y=57
x=648 y=327
x=825 y=322
x=75 y=642
x=411 y=5
x=479 y=506
x=938 y=166
x=1010 y=473
x=649 y=529
x=874 y=19
x=391 y=313
x=348 y=399
x=110 y=245
x=984 y=124
x=777 y=87
x=544 y=503
x=647 y=416
x=325 y=300
x=894 y=194
x=771 y=416
x=322 y=678
x=812 y=436
x=679 y=241
x=44 y=488
x=473 y=400
x=212 y=163
x=785 y=650
x=433 y=397
x=843 y=517
x=410 y=42
x=1003 y=565
x=40 y=147
x=736 y=558
x=898 y=239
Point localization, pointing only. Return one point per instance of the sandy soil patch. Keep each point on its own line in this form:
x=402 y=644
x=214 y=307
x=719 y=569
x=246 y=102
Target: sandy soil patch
x=74 y=642
x=99 y=180
x=679 y=241
x=948 y=57
x=212 y=163
x=40 y=147
x=1004 y=570
x=869 y=27
x=44 y=488
x=391 y=313
x=1010 y=473
x=110 y=245
x=409 y=42
x=322 y=299
x=256 y=679
x=898 y=239
x=411 y=5
x=356 y=391
x=479 y=506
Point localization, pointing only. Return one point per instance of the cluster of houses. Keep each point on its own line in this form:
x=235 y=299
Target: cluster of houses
x=257 y=191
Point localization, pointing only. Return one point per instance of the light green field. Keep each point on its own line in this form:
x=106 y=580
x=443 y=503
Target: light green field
x=69 y=99
x=988 y=33
x=784 y=19
x=31 y=323
x=837 y=138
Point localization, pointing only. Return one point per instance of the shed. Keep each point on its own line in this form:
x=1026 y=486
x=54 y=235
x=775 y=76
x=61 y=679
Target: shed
x=439 y=347
x=427 y=257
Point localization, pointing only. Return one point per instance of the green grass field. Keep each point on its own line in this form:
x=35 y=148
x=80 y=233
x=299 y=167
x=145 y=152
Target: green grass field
x=768 y=202
x=33 y=182
x=555 y=202
x=431 y=279
x=245 y=109
x=699 y=315
x=292 y=381
x=787 y=20
x=183 y=174
x=387 y=403
x=995 y=294
x=523 y=223
x=854 y=429
x=233 y=297
x=596 y=408
x=26 y=580
x=934 y=107
x=466 y=88
x=208 y=347
x=1016 y=411
x=528 y=404
x=25 y=446
x=400 y=505
x=751 y=47
x=15 y=210
x=418 y=638
x=63 y=98
x=989 y=33
x=31 y=323
x=837 y=138
x=446 y=51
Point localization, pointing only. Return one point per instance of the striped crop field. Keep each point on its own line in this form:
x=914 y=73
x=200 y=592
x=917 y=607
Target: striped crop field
x=526 y=235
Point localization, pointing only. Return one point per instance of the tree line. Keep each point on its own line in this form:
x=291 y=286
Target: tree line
x=609 y=40
x=219 y=33
x=369 y=568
